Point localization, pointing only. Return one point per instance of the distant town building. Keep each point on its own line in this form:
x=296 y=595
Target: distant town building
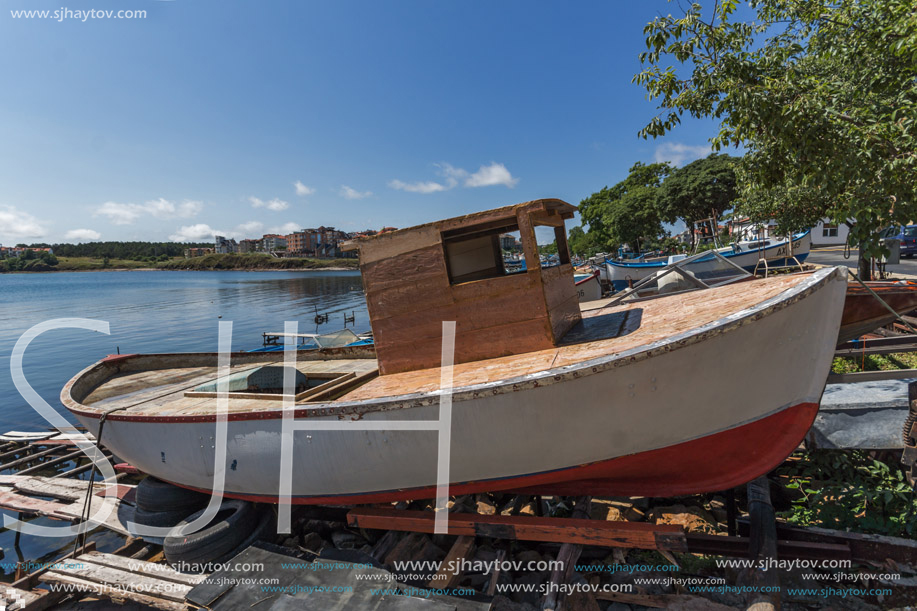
x=249 y=246
x=508 y=242
x=18 y=251
x=320 y=242
x=197 y=252
x=222 y=246
x=272 y=242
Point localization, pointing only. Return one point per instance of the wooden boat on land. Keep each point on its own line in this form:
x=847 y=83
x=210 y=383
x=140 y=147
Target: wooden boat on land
x=647 y=398
x=623 y=274
x=864 y=313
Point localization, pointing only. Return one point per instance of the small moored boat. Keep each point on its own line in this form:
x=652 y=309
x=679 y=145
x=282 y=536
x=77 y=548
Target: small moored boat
x=747 y=255
x=656 y=397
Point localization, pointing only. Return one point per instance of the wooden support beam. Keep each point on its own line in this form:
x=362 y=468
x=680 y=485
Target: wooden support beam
x=447 y=576
x=29 y=458
x=51 y=463
x=83 y=468
x=525 y=528
x=567 y=557
x=31 y=580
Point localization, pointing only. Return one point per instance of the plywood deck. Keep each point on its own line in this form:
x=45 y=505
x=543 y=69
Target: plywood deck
x=659 y=319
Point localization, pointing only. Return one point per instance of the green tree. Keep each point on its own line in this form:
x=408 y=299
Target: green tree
x=627 y=213
x=582 y=243
x=702 y=189
x=822 y=93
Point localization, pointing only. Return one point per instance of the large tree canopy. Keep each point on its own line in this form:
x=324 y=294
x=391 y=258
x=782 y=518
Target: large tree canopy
x=822 y=93
x=702 y=189
x=627 y=213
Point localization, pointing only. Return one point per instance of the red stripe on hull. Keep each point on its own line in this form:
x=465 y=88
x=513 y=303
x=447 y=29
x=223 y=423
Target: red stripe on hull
x=716 y=462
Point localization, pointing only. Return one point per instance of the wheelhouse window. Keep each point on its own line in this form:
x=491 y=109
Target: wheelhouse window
x=552 y=245
x=476 y=253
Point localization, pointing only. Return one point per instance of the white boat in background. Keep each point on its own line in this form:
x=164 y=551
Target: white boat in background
x=747 y=255
x=648 y=398
x=588 y=286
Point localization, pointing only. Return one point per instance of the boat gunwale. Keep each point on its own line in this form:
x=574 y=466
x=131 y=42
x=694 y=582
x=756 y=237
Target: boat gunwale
x=815 y=281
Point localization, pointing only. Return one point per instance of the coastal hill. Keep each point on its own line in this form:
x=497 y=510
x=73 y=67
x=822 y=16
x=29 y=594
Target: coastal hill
x=151 y=255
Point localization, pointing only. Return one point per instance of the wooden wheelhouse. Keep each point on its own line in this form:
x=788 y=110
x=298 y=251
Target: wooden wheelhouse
x=453 y=270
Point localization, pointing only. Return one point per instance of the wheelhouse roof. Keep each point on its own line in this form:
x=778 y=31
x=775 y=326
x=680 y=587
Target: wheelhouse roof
x=508 y=213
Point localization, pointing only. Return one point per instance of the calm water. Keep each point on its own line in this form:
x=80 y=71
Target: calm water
x=149 y=312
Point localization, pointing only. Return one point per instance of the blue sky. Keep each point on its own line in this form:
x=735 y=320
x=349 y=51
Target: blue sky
x=245 y=118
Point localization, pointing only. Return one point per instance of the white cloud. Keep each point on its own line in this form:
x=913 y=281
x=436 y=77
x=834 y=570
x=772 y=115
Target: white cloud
x=486 y=176
x=351 y=193
x=302 y=189
x=275 y=204
x=16 y=224
x=126 y=214
x=286 y=228
x=417 y=187
x=119 y=214
x=490 y=175
x=82 y=235
x=679 y=154
x=451 y=173
x=195 y=233
x=251 y=228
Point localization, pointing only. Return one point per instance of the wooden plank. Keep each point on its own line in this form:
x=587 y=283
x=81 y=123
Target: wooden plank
x=51 y=463
x=317 y=390
x=470 y=347
x=655 y=601
x=15 y=501
x=29 y=458
x=342 y=386
x=447 y=577
x=66 y=489
x=161 y=571
x=76 y=470
x=567 y=557
x=82 y=585
x=119 y=579
x=418 y=264
x=525 y=528
x=16 y=599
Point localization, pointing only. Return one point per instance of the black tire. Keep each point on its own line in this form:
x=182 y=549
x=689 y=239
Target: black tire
x=156 y=495
x=263 y=530
x=161 y=519
x=233 y=524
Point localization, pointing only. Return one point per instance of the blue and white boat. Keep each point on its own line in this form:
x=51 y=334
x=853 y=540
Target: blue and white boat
x=747 y=255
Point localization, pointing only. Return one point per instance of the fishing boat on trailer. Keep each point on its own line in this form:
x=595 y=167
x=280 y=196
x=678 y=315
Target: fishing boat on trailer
x=752 y=256
x=654 y=397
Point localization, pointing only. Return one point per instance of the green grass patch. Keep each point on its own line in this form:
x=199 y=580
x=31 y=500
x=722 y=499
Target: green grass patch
x=874 y=362
x=850 y=489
